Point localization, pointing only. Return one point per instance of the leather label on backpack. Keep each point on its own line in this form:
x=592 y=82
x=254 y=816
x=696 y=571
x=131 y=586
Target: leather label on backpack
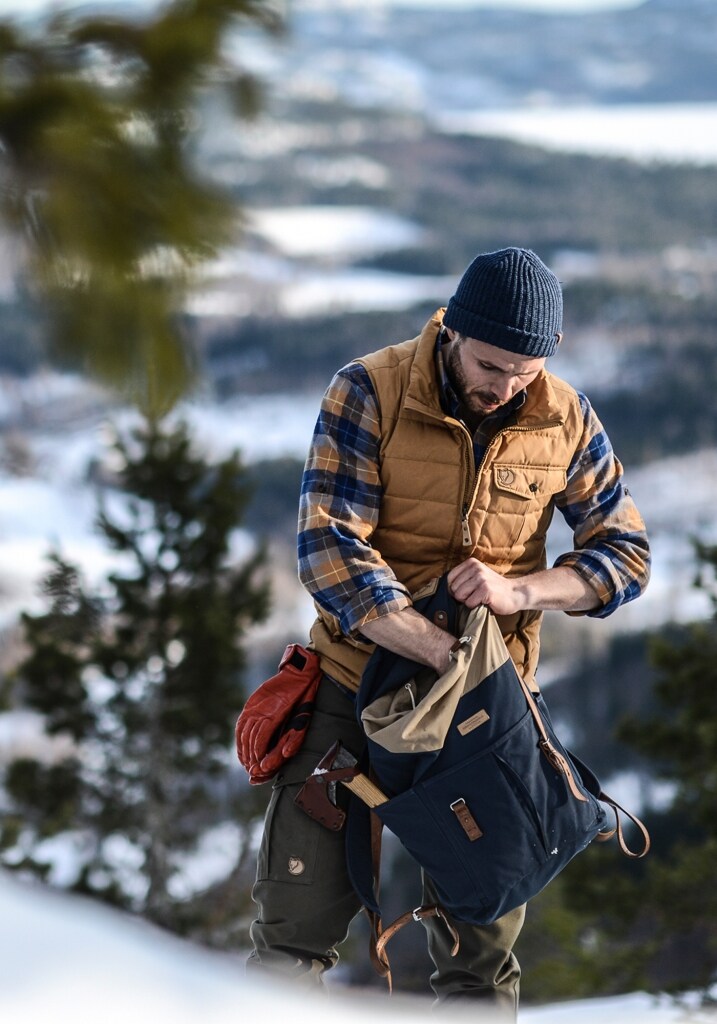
x=479 y=718
x=466 y=820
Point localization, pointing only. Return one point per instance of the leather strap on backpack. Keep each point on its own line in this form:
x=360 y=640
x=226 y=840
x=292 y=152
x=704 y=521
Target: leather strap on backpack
x=419 y=914
x=602 y=837
x=379 y=963
x=380 y=936
x=556 y=759
x=560 y=764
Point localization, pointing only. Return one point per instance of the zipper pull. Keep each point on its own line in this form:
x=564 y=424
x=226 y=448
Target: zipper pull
x=465 y=527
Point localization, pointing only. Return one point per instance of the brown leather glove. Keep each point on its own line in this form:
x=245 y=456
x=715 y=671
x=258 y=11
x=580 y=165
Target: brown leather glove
x=272 y=726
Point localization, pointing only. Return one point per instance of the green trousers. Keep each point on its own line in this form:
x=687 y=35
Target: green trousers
x=306 y=901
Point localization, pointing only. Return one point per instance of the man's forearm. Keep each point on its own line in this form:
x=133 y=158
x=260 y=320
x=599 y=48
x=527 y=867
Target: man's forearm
x=558 y=589
x=411 y=635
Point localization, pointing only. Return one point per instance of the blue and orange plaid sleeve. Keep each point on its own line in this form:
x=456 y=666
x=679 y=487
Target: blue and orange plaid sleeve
x=611 y=553
x=339 y=507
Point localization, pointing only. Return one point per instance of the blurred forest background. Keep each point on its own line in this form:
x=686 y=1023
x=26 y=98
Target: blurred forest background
x=208 y=207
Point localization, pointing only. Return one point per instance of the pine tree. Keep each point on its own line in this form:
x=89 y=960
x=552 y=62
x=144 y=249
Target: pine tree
x=142 y=673
x=681 y=745
x=138 y=679
x=652 y=924
x=114 y=213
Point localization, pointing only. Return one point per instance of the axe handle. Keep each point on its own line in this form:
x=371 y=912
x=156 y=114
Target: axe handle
x=362 y=786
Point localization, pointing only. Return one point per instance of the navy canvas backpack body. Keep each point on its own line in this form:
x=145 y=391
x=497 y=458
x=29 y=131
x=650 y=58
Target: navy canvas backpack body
x=479 y=789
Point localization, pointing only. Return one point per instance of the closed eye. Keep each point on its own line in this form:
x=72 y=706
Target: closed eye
x=491 y=368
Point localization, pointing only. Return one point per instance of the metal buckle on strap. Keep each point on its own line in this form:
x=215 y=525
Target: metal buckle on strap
x=426 y=911
x=463 y=641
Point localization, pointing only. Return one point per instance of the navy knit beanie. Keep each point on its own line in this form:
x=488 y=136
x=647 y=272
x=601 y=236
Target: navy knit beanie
x=509 y=299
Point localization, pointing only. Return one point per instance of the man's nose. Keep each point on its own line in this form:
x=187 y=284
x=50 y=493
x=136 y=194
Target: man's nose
x=503 y=387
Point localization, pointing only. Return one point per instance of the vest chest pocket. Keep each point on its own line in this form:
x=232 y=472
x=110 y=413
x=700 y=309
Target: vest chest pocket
x=524 y=488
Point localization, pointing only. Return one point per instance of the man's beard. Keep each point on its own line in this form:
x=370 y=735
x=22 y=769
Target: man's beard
x=477 y=401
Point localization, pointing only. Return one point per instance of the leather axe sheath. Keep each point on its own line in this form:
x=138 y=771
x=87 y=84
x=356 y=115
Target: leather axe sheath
x=317 y=797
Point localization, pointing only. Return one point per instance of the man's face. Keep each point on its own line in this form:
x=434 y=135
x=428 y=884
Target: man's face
x=486 y=377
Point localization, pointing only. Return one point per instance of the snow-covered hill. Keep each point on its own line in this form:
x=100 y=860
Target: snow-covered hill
x=66 y=960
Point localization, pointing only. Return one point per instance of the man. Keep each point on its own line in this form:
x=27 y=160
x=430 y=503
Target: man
x=444 y=454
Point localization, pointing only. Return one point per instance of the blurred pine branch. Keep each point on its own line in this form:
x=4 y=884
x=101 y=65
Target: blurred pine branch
x=98 y=182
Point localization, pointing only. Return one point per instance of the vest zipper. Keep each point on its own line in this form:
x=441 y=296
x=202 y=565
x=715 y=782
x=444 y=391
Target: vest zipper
x=466 y=528
x=466 y=507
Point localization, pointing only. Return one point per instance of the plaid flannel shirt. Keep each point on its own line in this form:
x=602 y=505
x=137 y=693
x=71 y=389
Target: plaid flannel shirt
x=341 y=497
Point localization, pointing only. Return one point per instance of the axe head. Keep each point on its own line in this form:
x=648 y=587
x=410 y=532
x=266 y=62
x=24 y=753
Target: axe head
x=317 y=797
x=338 y=757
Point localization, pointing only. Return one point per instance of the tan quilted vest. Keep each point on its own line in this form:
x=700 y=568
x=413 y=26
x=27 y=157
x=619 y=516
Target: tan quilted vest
x=438 y=508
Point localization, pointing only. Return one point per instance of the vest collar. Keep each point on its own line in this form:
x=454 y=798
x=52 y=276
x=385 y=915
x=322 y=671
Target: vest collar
x=423 y=385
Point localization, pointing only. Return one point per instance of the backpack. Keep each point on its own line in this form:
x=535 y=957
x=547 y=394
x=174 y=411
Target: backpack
x=477 y=786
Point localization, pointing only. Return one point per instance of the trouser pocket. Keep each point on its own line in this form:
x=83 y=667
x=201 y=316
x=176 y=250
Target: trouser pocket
x=289 y=846
x=294 y=846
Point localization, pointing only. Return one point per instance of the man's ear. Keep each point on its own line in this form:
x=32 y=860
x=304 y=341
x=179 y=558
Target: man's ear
x=560 y=337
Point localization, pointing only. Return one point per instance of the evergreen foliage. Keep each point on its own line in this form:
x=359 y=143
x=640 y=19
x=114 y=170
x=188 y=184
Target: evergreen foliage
x=681 y=744
x=612 y=925
x=142 y=674
x=96 y=118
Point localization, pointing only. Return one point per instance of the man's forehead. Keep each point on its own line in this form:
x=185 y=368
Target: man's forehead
x=502 y=358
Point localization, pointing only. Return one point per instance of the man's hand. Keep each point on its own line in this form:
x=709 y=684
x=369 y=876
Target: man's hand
x=559 y=589
x=473 y=583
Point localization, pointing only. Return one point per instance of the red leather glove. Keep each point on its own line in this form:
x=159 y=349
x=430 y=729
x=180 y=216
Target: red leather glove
x=272 y=726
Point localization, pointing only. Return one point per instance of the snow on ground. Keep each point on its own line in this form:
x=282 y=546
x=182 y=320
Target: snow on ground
x=672 y=132
x=306 y=272
x=357 y=290
x=333 y=230
x=311 y=291
x=69 y=960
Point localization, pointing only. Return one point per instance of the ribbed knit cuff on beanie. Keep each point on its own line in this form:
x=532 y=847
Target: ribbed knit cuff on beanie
x=509 y=299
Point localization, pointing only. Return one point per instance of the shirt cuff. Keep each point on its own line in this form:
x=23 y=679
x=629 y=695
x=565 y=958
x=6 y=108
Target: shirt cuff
x=597 y=573
x=371 y=603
